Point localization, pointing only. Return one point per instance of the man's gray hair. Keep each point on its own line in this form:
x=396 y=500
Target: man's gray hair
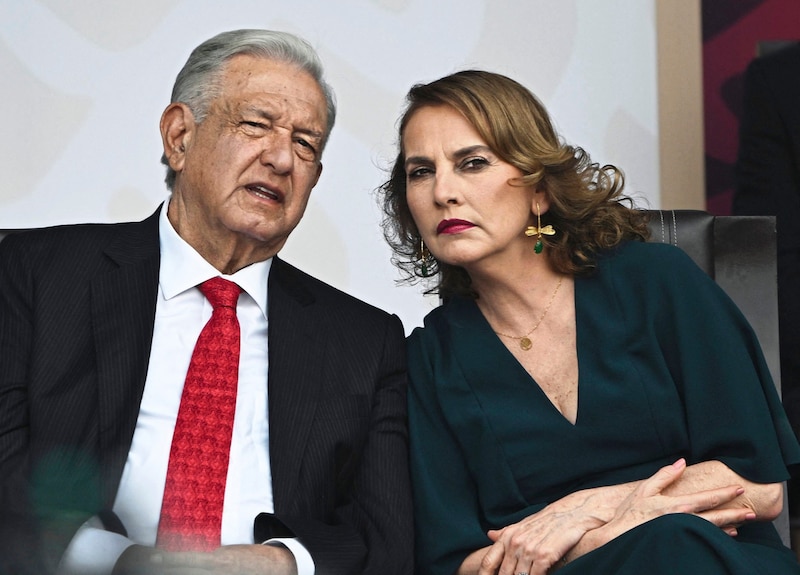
x=198 y=82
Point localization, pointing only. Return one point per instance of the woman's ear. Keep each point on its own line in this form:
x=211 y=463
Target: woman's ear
x=540 y=203
x=177 y=126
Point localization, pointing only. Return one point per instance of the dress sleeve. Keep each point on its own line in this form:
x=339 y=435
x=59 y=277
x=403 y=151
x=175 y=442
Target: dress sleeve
x=446 y=510
x=732 y=409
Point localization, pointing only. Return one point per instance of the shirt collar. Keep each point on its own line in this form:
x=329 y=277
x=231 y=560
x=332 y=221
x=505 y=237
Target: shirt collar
x=182 y=268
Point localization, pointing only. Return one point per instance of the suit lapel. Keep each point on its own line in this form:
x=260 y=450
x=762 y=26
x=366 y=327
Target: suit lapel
x=123 y=315
x=296 y=358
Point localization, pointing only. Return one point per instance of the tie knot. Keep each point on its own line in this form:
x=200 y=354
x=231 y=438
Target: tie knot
x=220 y=292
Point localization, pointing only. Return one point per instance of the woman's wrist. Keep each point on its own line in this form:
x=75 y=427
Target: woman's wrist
x=599 y=504
x=590 y=541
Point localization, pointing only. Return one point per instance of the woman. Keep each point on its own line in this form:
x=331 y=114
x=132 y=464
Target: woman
x=583 y=401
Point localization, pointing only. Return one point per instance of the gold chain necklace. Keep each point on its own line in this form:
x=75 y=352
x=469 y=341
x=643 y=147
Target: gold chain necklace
x=525 y=340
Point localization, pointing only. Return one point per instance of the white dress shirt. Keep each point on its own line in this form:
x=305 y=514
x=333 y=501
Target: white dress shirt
x=181 y=313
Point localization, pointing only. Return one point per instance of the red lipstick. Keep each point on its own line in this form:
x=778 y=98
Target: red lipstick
x=453 y=226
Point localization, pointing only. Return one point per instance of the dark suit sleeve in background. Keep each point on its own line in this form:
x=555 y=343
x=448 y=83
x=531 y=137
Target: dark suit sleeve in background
x=768 y=183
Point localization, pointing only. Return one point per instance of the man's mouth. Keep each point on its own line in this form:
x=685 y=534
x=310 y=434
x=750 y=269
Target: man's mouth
x=263 y=191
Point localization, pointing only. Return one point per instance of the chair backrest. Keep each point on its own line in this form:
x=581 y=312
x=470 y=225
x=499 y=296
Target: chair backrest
x=740 y=254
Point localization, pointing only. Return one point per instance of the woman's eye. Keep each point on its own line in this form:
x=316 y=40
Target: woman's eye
x=474 y=164
x=420 y=172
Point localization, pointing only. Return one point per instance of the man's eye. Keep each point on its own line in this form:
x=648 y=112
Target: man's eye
x=306 y=149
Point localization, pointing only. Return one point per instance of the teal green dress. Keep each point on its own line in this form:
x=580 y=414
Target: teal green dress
x=668 y=368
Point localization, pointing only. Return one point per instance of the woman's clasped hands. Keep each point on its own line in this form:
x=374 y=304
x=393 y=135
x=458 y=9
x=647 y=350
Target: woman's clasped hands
x=582 y=521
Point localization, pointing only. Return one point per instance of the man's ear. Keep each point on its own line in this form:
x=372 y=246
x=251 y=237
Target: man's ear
x=319 y=173
x=177 y=126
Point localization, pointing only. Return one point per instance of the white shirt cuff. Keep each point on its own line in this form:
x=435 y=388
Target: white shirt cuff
x=305 y=564
x=93 y=550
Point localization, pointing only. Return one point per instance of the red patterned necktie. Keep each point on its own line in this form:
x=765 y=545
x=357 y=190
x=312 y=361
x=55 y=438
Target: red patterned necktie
x=191 y=513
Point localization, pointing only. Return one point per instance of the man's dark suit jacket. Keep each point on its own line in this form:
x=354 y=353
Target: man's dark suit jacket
x=77 y=306
x=768 y=183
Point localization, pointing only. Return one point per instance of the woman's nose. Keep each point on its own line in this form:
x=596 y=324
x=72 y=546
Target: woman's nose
x=445 y=190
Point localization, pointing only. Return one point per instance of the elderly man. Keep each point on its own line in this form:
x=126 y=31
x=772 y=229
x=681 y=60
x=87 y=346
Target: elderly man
x=176 y=398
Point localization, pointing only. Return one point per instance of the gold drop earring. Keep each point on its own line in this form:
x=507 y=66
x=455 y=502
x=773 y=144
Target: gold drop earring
x=424 y=260
x=538 y=231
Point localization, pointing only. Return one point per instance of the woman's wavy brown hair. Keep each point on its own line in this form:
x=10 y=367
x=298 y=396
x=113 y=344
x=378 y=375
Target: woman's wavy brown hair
x=587 y=207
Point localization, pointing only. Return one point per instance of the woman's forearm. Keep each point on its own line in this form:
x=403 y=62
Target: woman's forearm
x=763 y=499
x=587 y=519
x=710 y=490
x=568 y=518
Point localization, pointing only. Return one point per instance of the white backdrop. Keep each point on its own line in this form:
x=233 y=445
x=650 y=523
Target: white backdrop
x=83 y=84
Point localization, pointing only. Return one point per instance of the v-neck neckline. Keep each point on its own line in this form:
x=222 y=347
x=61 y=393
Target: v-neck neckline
x=489 y=340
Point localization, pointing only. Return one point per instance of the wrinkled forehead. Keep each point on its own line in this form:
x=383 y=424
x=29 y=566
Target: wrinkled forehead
x=248 y=79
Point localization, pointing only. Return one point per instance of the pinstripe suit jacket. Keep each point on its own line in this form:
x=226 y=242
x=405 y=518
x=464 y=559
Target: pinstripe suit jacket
x=77 y=305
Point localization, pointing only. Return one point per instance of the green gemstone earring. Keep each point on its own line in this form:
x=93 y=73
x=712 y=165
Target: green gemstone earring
x=424 y=260
x=538 y=230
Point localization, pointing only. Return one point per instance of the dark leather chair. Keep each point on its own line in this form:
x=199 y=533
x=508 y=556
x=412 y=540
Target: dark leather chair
x=740 y=254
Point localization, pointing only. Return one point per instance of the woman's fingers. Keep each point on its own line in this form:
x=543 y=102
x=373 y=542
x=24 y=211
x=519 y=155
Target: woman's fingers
x=496 y=534
x=539 y=539
x=490 y=564
x=650 y=495
x=526 y=552
x=712 y=498
x=663 y=478
x=728 y=517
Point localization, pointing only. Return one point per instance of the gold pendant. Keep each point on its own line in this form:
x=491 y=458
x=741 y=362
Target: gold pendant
x=525 y=343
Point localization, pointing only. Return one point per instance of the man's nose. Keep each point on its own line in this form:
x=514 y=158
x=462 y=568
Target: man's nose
x=277 y=152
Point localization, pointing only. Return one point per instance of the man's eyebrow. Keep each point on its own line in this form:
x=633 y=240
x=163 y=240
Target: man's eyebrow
x=258 y=111
x=309 y=132
x=267 y=115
